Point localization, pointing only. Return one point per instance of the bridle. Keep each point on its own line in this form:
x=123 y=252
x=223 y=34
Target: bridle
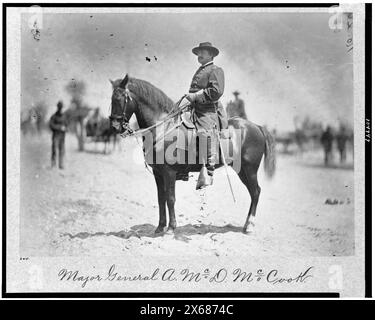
x=128 y=131
x=124 y=121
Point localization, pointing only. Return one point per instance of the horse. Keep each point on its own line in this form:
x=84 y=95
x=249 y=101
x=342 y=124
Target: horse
x=86 y=122
x=76 y=116
x=100 y=130
x=150 y=106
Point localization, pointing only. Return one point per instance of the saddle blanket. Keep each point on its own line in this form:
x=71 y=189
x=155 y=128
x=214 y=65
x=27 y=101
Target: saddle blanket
x=188 y=142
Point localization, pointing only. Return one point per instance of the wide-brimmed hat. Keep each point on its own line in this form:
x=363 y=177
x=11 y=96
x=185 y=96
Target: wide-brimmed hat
x=207 y=46
x=236 y=93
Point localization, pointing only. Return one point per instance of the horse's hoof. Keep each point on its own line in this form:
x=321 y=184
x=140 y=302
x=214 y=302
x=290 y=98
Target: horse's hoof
x=170 y=231
x=245 y=228
x=159 y=230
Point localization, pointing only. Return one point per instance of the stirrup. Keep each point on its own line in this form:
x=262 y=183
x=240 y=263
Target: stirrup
x=204 y=179
x=184 y=176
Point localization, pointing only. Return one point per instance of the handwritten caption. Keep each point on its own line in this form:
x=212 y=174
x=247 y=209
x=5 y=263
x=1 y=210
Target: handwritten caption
x=220 y=275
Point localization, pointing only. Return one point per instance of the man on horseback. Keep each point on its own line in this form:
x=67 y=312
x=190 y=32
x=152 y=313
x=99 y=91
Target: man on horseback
x=207 y=86
x=236 y=108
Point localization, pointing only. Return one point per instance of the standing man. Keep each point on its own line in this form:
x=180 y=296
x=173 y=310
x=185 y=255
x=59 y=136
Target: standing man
x=341 y=139
x=58 y=125
x=236 y=108
x=327 y=141
x=205 y=91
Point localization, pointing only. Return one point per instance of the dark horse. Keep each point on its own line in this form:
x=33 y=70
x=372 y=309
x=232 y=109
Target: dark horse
x=150 y=105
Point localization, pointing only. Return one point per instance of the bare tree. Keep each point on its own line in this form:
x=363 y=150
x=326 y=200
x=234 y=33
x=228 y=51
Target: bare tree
x=77 y=112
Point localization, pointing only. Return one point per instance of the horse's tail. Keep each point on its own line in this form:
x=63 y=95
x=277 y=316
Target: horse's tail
x=269 y=153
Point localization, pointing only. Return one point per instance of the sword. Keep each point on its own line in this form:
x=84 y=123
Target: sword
x=225 y=166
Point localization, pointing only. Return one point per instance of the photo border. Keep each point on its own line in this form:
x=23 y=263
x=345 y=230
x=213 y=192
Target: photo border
x=368 y=163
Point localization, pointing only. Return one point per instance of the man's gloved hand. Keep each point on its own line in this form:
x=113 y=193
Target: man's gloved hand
x=191 y=97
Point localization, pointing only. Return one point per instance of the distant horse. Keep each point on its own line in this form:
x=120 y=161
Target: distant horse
x=100 y=130
x=26 y=122
x=150 y=105
x=301 y=139
x=32 y=121
x=285 y=140
x=86 y=122
x=76 y=116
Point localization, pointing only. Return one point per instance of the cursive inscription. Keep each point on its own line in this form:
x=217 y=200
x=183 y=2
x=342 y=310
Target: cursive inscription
x=222 y=275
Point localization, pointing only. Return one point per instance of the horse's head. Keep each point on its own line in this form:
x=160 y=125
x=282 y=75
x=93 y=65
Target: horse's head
x=122 y=107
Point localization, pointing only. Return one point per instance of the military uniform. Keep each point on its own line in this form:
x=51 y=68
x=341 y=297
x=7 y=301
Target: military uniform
x=208 y=112
x=327 y=140
x=58 y=124
x=341 y=139
x=208 y=84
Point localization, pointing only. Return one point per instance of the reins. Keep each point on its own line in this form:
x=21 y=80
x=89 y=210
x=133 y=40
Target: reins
x=177 y=109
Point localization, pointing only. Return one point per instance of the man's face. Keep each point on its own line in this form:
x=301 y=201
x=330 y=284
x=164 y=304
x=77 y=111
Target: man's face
x=204 y=56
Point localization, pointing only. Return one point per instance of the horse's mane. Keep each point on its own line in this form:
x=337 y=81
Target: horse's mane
x=149 y=94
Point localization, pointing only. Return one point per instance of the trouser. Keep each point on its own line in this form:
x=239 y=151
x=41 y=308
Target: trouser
x=58 y=142
x=223 y=118
x=207 y=150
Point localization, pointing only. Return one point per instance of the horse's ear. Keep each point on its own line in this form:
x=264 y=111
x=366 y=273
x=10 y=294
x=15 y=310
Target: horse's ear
x=124 y=82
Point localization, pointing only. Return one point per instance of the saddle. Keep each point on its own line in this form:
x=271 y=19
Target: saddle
x=187 y=121
x=187 y=135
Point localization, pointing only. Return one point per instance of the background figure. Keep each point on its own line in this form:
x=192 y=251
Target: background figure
x=327 y=140
x=341 y=138
x=58 y=125
x=236 y=108
x=92 y=124
x=25 y=122
x=40 y=111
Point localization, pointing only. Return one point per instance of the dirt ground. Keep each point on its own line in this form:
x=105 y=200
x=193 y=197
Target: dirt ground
x=107 y=205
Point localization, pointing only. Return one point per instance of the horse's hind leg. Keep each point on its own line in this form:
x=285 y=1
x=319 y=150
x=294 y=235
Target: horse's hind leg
x=171 y=198
x=114 y=142
x=106 y=143
x=161 y=200
x=250 y=180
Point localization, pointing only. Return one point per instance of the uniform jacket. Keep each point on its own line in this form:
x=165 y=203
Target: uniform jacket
x=57 y=121
x=208 y=84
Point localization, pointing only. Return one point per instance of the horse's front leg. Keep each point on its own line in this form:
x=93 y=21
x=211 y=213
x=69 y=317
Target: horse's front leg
x=171 y=198
x=161 y=200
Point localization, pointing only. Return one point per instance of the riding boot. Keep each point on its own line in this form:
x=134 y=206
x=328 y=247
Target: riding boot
x=206 y=174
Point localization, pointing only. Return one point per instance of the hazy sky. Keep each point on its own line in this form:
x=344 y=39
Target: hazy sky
x=284 y=64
